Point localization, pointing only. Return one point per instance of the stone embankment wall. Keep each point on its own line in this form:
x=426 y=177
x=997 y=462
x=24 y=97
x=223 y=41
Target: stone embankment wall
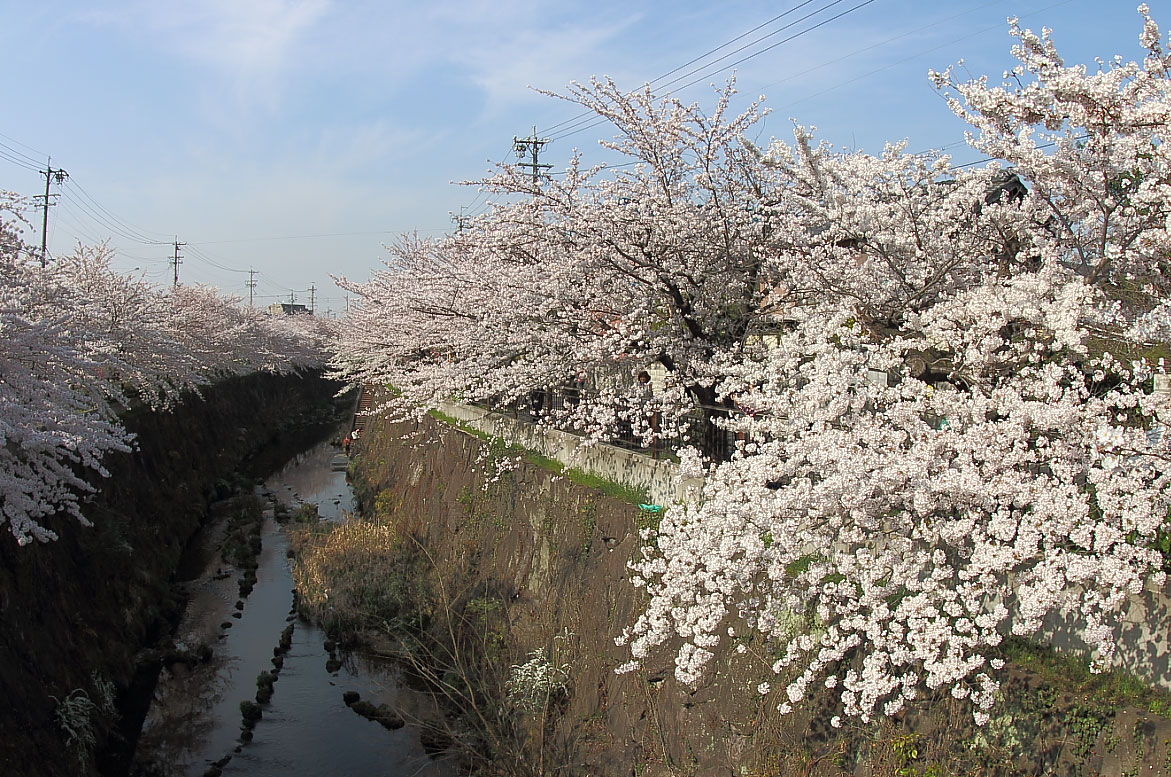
x=77 y=615
x=1144 y=644
x=557 y=552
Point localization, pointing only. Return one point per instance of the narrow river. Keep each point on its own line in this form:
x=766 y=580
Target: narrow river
x=193 y=727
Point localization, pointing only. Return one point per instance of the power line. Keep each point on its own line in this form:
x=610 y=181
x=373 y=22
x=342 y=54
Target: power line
x=301 y=237
x=588 y=121
x=139 y=258
x=138 y=234
x=8 y=155
x=473 y=211
x=690 y=62
x=888 y=66
x=770 y=47
x=39 y=154
x=204 y=257
x=74 y=219
x=740 y=61
x=856 y=52
x=104 y=223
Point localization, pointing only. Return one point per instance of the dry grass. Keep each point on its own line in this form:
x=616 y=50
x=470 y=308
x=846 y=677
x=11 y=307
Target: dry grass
x=352 y=575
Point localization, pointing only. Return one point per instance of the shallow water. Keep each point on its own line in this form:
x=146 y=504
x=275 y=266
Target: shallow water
x=316 y=476
x=306 y=729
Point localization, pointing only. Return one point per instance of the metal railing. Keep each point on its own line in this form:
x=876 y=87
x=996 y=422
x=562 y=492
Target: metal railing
x=700 y=427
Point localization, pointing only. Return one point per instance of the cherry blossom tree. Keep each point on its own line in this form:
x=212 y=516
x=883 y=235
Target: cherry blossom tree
x=79 y=342
x=664 y=261
x=942 y=377
x=55 y=419
x=884 y=535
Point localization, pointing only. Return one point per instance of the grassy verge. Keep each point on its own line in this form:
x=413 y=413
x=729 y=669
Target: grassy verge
x=622 y=491
x=1111 y=690
x=448 y=631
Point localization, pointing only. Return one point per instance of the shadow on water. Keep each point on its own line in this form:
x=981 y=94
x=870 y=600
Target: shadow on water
x=193 y=726
x=316 y=476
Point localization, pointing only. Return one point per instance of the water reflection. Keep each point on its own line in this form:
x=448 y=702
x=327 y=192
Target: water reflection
x=194 y=719
x=316 y=476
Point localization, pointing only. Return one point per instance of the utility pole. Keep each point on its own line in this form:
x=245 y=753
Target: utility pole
x=251 y=285
x=176 y=260
x=50 y=175
x=312 y=298
x=531 y=146
x=461 y=220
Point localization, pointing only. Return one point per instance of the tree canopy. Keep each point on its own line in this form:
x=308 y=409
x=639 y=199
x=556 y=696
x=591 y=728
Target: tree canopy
x=79 y=343
x=942 y=377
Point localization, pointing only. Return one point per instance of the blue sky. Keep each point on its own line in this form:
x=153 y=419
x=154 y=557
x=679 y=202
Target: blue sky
x=296 y=137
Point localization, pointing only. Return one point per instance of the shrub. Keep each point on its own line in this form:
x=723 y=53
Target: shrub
x=353 y=575
x=75 y=718
x=537 y=682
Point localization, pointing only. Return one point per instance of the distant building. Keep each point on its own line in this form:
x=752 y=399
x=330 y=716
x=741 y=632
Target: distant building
x=286 y=309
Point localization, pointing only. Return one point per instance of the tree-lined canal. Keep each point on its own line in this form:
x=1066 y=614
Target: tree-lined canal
x=194 y=726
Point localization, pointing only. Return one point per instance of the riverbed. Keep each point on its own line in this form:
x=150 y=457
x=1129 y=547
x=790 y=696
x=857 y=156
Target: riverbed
x=193 y=727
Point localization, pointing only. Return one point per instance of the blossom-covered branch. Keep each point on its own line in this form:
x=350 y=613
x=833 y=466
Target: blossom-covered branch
x=78 y=342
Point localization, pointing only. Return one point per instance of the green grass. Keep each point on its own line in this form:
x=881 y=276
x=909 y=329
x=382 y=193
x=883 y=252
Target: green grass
x=458 y=424
x=544 y=462
x=610 y=488
x=1071 y=672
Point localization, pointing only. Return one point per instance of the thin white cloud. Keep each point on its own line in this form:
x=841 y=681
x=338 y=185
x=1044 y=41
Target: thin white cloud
x=357 y=146
x=501 y=47
x=251 y=43
x=257 y=36
x=545 y=58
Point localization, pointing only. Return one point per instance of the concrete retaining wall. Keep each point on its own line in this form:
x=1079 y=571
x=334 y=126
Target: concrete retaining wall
x=1143 y=637
x=638 y=470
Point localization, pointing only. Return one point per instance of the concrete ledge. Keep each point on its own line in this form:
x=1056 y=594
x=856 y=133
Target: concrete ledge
x=638 y=470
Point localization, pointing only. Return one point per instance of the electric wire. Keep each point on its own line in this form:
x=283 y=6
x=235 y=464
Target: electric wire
x=888 y=66
x=475 y=208
x=587 y=119
x=82 y=213
x=126 y=226
x=874 y=71
x=39 y=154
x=690 y=62
x=98 y=218
x=75 y=218
x=483 y=192
x=594 y=121
x=674 y=82
x=8 y=155
x=298 y=237
x=922 y=28
x=204 y=257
